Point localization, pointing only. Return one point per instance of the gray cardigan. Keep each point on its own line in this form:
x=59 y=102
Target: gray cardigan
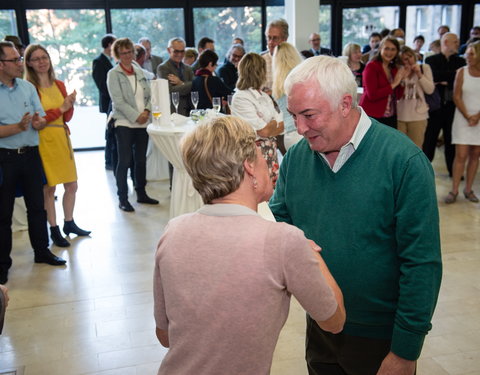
x=123 y=97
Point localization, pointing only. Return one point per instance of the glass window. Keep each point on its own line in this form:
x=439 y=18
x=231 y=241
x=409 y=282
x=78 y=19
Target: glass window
x=275 y=12
x=159 y=25
x=476 y=17
x=325 y=22
x=425 y=20
x=359 y=23
x=8 y=22
x=244 y=22
x=73 y=39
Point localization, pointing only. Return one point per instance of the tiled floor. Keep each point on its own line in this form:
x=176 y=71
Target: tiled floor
x=94 y=316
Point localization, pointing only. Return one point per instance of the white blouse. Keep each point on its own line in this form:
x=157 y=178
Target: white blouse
x=255 y=107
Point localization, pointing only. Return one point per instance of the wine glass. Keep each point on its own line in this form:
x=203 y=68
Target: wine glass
x=175 y=100
x=217 y=103
x=229 y=100
x=156 y=113
x=194 y=97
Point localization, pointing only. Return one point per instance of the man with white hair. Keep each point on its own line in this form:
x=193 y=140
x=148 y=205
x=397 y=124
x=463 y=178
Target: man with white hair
x=275 y=33
x=366 y=195
x=151 y=61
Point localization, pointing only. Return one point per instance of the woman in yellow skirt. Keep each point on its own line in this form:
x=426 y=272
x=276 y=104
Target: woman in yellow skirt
x=55 y=147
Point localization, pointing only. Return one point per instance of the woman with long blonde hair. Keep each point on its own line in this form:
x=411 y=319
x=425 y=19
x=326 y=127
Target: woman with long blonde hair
x=55 y=147
x=285 y=58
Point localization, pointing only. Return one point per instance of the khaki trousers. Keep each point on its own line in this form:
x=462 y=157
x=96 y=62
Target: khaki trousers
x=415 y=130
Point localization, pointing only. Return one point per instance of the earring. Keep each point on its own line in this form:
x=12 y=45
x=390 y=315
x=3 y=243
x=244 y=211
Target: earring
x=255 y=183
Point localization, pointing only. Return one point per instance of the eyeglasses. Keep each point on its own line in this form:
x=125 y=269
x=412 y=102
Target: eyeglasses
x=315 y=40
x=37 y=59
x=273 y=38
x=15 y=61
x=126 y=53
x=237 y=56
x=179 y=51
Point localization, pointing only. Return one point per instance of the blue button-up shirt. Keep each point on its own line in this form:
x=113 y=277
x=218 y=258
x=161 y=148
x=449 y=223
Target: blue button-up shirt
x=15 y=101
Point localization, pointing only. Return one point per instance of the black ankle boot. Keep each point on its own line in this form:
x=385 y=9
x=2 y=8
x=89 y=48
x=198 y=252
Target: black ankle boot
x=71 y=227
x=57 y=238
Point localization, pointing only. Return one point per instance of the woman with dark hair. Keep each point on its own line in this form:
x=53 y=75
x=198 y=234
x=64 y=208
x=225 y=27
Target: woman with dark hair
x=131 y=108
x=382 y=83
x=257 y=108
x=55 y=148
x=208 y=85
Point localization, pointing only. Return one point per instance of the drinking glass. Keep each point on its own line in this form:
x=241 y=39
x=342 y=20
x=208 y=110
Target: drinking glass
x=156 y=113
x=229 y=100
x=175 y=100
x=217 y=103
x=194 y=97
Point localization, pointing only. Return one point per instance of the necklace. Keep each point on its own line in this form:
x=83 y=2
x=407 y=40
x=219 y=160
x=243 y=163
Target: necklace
x=127 y=71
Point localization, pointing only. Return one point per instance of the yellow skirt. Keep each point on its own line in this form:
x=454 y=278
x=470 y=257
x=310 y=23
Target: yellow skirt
x=57 y=155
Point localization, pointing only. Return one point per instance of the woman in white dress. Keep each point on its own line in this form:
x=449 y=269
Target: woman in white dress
x=466 y=124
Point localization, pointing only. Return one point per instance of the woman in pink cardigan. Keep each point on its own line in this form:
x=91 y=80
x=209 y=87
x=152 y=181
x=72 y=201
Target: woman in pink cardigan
x=382 y=83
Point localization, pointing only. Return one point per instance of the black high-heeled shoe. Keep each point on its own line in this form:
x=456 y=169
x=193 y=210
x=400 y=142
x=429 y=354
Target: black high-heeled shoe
x=57 y=237
x=71 y=227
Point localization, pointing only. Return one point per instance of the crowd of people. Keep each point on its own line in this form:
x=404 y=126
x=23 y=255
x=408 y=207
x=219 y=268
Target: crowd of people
x=380 y=243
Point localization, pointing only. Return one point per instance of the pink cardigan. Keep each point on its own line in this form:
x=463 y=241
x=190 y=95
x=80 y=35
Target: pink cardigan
x=376 y=89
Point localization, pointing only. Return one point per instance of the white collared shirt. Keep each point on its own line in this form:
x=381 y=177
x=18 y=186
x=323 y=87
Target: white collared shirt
x=349 y=148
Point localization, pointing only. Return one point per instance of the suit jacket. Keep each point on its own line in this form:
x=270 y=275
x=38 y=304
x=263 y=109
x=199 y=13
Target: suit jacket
x=376 y=89
x=156 y=61
x=186 y=75
x=229 y=74
x=100 y=67
x=323 y=51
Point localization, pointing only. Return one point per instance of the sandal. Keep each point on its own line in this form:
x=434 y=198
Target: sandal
x=450 y=198
x=471 y=196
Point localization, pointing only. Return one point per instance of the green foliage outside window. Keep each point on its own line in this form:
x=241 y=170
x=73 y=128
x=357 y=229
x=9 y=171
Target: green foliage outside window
x=73 y=40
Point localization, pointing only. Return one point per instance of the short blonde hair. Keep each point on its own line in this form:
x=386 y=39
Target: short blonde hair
x=213 y=154
x=349 y=49
x=124 y=43
x=191 y=52
x=252 y=72
x=285 y=58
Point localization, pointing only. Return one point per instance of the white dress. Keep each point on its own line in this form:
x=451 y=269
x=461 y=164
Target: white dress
x=462 y=133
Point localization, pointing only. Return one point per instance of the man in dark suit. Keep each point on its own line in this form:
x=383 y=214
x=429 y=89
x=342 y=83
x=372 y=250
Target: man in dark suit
x=315 y=40
x=100 y=67
x=151 y=62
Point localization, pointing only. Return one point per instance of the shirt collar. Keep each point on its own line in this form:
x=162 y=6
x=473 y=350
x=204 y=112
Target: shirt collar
x=361 y=129
x=224 y=209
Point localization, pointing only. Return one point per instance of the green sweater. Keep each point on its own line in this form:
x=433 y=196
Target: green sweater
x=376 y=220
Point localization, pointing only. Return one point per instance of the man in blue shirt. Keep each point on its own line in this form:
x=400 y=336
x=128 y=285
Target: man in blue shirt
x=20 y=165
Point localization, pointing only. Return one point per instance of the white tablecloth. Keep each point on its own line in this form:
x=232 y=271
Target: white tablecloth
x=184 y=197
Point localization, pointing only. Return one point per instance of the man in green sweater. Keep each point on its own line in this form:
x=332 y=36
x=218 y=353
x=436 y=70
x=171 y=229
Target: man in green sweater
x=366 y=194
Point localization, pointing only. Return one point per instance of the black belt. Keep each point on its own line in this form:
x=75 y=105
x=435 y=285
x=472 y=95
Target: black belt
x=18 y=151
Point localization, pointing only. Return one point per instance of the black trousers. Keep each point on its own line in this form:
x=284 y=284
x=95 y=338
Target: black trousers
x=110 y=148
x=24 y=169
x=341 y=354
x=441 y=119
x=129 y=139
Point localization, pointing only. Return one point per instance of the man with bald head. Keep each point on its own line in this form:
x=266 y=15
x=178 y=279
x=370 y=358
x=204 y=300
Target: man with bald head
x=444 y=67
x=315 y=42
